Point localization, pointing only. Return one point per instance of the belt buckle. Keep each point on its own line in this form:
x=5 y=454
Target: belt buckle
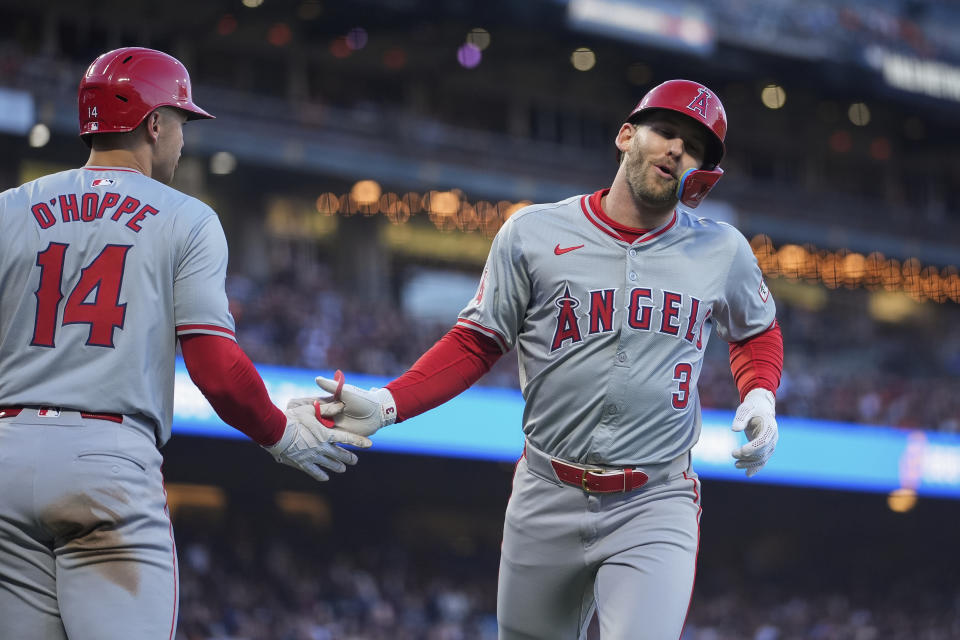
x=583 y=478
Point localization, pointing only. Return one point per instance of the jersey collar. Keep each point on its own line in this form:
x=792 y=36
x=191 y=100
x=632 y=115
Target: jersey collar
x=593 y=210
x=127 y=169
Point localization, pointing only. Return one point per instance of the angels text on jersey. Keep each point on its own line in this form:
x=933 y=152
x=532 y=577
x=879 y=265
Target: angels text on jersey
x=669 y=313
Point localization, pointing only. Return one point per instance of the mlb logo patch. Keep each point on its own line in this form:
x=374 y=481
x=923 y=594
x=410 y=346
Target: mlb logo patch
x=48 y=412
x=764 y=292
x=102 y=182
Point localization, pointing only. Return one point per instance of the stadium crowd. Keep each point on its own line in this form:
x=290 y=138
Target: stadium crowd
x=840 y=364
x=241 y=585
x=289 y=592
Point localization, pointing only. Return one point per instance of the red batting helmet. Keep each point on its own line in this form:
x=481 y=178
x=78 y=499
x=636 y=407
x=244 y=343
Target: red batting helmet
x=123 y=86
x=698 y=102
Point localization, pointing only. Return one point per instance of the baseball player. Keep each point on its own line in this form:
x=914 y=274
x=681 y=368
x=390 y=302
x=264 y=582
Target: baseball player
x=609 y=299
x=102 y=270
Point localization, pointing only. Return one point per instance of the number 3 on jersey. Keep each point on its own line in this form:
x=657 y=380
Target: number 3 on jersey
x=682 y=373
x=103 y=278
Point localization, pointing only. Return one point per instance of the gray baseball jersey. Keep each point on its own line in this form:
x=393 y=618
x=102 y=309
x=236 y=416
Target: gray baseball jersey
x=100 y=270
x=611 y=335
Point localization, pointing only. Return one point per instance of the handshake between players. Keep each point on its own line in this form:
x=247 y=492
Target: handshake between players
x=352 y=414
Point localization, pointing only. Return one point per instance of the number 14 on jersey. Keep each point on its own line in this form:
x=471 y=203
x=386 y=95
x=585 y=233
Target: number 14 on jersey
x=102 y=278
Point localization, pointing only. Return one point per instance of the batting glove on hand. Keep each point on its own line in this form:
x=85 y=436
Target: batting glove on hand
x=757 y=417
x=364 y=411
x=308 y=445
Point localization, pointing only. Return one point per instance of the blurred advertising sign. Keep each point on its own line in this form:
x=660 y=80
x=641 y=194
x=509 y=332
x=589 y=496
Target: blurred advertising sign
x=916 y=75
x=17 y=112
x=484 y=423
x=675 y=25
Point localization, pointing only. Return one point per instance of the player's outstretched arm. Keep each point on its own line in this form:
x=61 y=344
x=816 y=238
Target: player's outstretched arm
x=235 y=390
x=452 y=365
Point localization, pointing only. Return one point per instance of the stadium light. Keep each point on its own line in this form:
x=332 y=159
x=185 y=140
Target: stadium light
x=39 y=135
x=339 y=47
x=366 y=192
x=902 y=500
x=480 y=38
x=357 y=38
x=859 y=114
x=583 y=59
x=279 y=35
x=773 y=96
x=469 y=55
x=805 y=265
x=226 y=25
x=222 y=163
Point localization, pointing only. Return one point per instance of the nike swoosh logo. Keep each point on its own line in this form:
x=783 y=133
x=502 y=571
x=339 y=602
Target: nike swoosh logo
x=558 y=251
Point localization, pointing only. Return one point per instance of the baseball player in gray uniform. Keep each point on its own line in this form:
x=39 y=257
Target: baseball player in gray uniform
x=609 y=299
x=102 y=270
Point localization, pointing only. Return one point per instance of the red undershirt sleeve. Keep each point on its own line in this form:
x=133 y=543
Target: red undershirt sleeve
x=232 y=386
x=452 y=365
x=758 y=361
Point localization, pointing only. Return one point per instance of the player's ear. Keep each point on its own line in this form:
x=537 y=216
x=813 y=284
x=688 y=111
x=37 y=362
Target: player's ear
x=153 y=125
x=624 y=136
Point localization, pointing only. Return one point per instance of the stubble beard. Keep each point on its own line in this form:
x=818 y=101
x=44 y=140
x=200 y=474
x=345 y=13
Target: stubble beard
x=648 y=189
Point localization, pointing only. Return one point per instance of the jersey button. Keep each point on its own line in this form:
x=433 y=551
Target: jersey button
x=621 y=357
x=632 y=275
x=633 y=253
x=611 y=409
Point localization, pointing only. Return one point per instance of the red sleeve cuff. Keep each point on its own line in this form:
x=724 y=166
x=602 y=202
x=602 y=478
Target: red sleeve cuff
x=232 y=386
x=452 y=365
x=758 y=361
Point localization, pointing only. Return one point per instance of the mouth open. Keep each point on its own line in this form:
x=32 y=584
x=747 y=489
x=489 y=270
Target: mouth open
x=664 y=171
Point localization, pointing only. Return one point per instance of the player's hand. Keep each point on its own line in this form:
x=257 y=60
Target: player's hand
x=756 y=416
x=323 y=409
x=364 y=411
x=312 y=447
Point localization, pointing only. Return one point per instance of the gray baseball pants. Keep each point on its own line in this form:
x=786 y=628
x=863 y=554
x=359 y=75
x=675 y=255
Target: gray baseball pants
x=629 y=556
x=86 y=544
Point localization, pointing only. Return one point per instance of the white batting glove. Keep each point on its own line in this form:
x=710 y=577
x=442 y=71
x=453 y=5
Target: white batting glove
x=756 y=416
x=364 y=411
x=312 y=447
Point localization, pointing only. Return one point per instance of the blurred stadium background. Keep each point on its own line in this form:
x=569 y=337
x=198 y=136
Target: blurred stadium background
x=365 y=153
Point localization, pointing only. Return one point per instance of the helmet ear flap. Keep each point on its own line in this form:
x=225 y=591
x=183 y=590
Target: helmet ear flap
x=695 y=184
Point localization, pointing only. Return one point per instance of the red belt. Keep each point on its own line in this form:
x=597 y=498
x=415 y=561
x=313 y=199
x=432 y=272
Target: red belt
x=10 y=412
x=599 y=480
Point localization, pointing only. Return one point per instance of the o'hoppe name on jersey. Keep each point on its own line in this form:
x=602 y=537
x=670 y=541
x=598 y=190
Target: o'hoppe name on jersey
x=641 y=305
x=91 y=206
